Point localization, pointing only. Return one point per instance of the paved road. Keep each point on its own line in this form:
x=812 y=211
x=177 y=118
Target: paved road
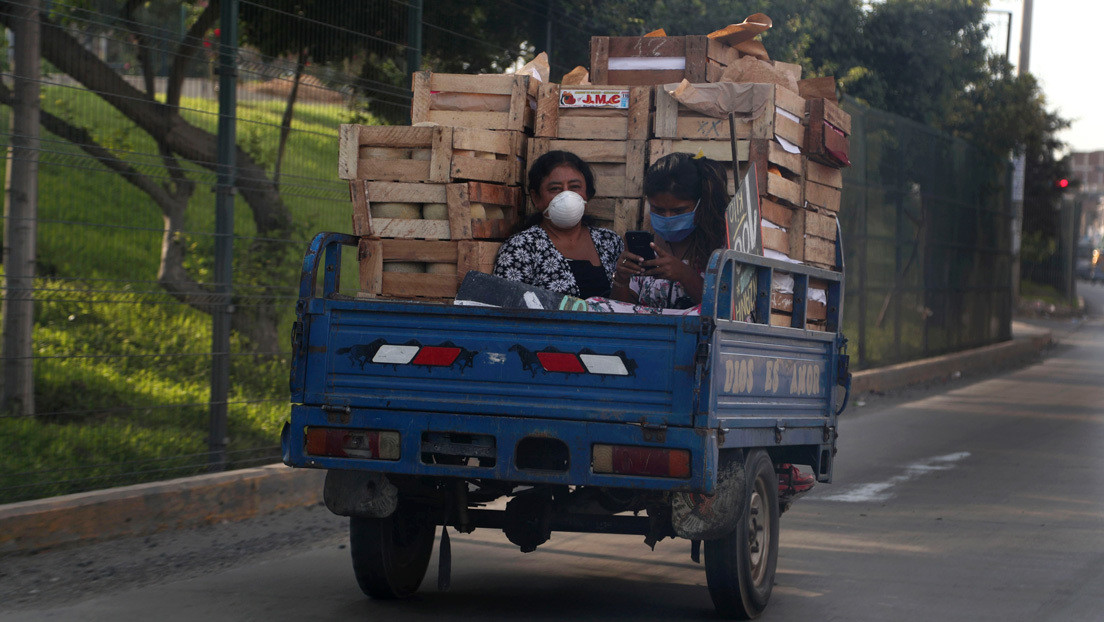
x=978 y=501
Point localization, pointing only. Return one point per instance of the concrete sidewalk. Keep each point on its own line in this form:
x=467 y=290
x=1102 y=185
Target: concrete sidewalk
x=184 y=503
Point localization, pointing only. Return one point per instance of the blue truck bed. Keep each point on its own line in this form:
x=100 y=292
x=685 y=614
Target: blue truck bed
x=479 y=383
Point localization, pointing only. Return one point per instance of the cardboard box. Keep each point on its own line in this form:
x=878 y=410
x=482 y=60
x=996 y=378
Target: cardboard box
x=646 y=61
x=483 y=101
x=459 y=198
x=593 y=112
x=430 y=154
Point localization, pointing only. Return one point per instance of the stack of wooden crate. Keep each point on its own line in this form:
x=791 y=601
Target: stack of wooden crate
x=434 y=200
x=798 y=146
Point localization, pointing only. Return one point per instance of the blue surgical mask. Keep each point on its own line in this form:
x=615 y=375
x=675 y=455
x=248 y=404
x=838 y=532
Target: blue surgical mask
x=674 y=228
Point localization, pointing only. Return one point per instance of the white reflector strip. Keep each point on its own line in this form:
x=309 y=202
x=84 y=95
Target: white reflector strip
x=631 y=63
x=395 y=355
x=789 y=115
x=607 y=365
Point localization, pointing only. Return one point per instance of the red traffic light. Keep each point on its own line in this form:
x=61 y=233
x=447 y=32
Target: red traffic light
x=1062 y=183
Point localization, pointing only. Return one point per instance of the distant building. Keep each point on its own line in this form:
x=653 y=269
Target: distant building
x=1087 y=169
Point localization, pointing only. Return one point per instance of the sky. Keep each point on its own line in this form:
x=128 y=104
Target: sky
x=1066 y=55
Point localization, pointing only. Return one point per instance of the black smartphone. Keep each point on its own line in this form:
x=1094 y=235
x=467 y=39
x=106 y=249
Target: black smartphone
x=638 y=243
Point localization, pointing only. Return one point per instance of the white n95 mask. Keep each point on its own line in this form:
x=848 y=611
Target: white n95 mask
x=565 y=210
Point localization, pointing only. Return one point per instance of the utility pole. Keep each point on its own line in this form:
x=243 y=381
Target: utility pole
x=21 y=213
x=1020 y=163
x=414 y=39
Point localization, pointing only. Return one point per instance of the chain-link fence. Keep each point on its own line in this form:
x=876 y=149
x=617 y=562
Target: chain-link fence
x=124 y=286
x=927 y=232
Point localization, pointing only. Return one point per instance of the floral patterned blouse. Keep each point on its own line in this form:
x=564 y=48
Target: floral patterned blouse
x=530 y=257
x=653 y=291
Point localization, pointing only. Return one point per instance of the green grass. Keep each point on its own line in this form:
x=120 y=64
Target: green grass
x=122 y=371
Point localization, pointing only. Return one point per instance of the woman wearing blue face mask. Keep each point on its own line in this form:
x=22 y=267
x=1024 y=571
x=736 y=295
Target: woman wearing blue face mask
x=687 y=196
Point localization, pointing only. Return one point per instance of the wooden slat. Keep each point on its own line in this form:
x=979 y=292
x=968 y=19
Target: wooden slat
x=546 y=122
x=403 y=285
x=776 y=240
x=393 y=170
x=646 y=47
x=593 y=128
x=411 y=229
x=362 y=218
x=459 y=212
x=599 y=60
x=431 y=251
x=696 y=60
x=779 y=214
x=488 y=83
x=440 y=160
x=822 y=196
x=821 y=174
x=370 y=260
x=472 y=119
x=420 y=104
x=820 y=225
x=645 y=77
x=397 y=192
x=819 y=252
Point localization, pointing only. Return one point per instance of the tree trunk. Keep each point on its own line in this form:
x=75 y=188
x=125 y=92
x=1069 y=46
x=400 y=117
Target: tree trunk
x=289 y=113
x=20 y=216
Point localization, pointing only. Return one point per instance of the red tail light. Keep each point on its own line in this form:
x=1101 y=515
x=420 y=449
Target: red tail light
x=347 y=443
x=648 y=461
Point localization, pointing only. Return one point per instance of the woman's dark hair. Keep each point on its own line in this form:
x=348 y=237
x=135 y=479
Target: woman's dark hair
x=543 y=166
x=689 y=179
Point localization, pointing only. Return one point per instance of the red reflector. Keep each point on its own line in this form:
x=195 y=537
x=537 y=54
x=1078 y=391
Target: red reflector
x=651 y=461
x=435 y=355
x=561 y=361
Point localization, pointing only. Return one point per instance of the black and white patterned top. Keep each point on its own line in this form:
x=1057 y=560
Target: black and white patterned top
x=530 y=257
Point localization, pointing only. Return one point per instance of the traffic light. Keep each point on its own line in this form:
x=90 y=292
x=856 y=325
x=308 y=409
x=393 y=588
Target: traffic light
x=1062 y=184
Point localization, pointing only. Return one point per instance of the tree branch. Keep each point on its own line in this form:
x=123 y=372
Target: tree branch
x=189 y=46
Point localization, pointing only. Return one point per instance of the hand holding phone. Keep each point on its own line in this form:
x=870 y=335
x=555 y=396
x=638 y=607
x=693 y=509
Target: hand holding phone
x=639 y=243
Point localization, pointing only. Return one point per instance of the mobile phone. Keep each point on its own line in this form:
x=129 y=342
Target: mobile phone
x=638 y=243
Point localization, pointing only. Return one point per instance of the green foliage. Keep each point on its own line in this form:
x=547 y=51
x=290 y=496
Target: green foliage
x=123 y=371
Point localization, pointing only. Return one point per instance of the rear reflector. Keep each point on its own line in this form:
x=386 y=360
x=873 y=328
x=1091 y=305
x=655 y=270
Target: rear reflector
x=631 y=460
x=436 y=355
x=565 y=362
x=347 y=443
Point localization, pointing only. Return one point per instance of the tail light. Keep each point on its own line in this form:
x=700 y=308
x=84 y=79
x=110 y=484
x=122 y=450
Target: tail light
x=348 y=443
x=632 y=460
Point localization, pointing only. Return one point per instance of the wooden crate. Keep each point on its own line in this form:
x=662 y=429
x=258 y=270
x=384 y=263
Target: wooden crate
x=827 y=137
x=785 y=187
x=459 y=197
x=813 y=239
x=456 y=257
x=616 y=213
x=505 y=101
x=559 y=114
x=785 y=119
x=815 y=310
x=618 y=165
x=380 y=153
x=646 y=61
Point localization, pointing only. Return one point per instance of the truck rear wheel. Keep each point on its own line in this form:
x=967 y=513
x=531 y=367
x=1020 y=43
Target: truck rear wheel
x=390 y=555
x=739 y=568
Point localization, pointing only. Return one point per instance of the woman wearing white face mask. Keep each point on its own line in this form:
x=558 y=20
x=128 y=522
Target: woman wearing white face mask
x=558 y=249
x=687 y=197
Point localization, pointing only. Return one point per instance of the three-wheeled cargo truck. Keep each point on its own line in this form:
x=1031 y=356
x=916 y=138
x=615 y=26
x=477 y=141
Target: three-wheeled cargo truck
x=656 y=425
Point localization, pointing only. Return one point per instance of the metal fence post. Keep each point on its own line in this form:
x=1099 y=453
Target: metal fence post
x=224 y=235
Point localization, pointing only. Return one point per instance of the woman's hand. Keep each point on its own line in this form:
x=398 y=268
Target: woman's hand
x=628 y=266
x=666 y=266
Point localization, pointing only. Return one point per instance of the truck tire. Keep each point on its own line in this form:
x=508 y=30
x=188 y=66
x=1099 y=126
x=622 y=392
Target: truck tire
x=390 y=555
x=739 y=567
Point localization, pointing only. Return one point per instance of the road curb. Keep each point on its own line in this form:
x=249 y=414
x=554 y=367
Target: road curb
x=1027 y=344
x=144 y=509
